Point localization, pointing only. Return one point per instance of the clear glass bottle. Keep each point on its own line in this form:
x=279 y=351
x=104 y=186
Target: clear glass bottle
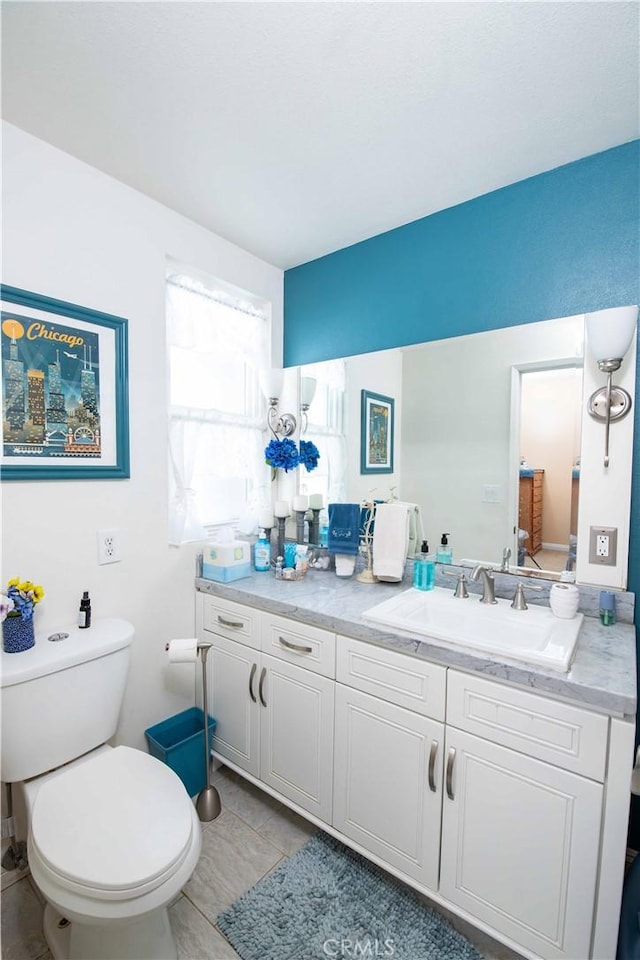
x=607 y=608
x=424 y=569
x=444 y=554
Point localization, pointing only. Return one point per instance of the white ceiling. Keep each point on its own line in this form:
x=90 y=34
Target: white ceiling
x=297 y=128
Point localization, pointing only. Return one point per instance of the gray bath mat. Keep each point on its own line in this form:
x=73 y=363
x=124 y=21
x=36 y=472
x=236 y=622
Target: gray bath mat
x=326 y=901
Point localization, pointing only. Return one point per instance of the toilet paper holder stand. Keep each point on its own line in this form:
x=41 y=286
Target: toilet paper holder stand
x=208 y=805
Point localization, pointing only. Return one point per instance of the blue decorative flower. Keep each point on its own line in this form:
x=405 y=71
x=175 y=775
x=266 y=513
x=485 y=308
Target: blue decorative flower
x=283 y=454
x=309 y=454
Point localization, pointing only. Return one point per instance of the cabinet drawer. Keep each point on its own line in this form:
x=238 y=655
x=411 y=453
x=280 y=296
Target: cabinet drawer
x=558 y=733
x=299 y=643
x=395 y=677
x=230 y=619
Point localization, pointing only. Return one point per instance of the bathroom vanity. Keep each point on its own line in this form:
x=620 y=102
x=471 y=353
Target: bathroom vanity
x=497 y=788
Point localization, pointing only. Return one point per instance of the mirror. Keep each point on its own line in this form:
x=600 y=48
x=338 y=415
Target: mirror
x=468 y=409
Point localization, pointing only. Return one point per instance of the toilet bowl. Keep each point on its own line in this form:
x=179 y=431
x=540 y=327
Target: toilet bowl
x=113 y=837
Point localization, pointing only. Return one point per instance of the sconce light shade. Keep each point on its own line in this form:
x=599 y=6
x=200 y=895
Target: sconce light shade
x=307 y=391
x=609 y=336
x=610 y=332
x=271 y=382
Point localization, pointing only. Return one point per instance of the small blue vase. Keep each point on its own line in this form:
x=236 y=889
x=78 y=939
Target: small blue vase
x=17 y=634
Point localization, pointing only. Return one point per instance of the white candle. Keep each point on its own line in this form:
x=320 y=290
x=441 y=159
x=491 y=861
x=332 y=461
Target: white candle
x=300 y=503
x=281 y=508
x=315 y=501
x=265 y=520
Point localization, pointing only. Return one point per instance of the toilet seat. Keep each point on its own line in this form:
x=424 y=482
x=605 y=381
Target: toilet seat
x=113 y=828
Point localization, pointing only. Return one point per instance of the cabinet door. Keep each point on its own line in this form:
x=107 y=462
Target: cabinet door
x=232 y=675
x=520 y=845
x=296 y=734
x=388 y=782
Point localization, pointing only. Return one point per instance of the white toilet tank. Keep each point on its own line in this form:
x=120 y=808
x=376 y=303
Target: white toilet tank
x=62 y=698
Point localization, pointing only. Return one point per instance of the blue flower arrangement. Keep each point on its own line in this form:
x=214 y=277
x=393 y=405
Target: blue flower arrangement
x=309 y=455
x=20 y=600
x=284 y=455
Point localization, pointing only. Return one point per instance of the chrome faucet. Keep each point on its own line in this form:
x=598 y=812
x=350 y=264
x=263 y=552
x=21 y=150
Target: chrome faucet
x=488 y=584
x=506 y=553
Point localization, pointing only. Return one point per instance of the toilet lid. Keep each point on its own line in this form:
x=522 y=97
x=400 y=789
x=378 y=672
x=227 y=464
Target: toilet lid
x=115 y=823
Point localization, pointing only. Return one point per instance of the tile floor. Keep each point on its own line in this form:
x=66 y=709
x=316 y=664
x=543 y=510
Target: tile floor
x=253 y=833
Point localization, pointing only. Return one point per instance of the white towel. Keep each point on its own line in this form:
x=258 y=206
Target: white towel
x=390 y=540
x=416 y=536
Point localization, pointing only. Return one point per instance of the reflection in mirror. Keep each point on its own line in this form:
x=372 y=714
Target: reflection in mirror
x=457 y=455
x=549 y=469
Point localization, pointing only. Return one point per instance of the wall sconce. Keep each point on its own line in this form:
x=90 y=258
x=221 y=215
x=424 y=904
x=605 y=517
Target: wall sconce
x=609 y=335
x=307 y=393
x=280 y=424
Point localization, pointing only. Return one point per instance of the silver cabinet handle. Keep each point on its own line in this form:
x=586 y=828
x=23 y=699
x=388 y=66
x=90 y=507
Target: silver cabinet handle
x=451 y=756
x=229 y=623
x=432 y=765
x=254 y=667
x=295 y=646
x=263 y=674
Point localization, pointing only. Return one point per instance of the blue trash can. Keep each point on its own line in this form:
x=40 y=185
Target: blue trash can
x=179 y=742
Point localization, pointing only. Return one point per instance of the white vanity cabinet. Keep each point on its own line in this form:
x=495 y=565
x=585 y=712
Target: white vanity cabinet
x=388 y=759
x=521 y=835
x=275 y=709
x=504 y=805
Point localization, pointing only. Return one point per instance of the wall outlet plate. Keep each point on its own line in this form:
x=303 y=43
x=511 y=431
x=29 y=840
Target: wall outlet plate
x=109 y=546
x=603 y=545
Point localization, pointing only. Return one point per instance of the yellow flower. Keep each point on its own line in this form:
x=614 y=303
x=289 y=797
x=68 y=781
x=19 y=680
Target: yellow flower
x=38 y=594
x=14 y=582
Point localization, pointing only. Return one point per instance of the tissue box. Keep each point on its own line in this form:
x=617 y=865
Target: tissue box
x=226 y=561
x=236 y=571
x=227 y=554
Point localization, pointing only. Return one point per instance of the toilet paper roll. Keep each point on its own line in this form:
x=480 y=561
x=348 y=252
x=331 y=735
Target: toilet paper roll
x=183 y=651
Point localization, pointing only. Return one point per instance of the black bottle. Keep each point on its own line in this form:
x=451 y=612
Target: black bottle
x=84 y=616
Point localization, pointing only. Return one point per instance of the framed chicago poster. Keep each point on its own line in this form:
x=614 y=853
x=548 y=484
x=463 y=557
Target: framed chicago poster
x=65 y=393
x=376 y=439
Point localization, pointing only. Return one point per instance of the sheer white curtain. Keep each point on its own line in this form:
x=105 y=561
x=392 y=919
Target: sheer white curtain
x=217 y=344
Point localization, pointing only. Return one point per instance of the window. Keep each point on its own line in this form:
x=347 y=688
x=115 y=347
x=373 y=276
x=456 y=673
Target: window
x=326 y=430
x=217 y=341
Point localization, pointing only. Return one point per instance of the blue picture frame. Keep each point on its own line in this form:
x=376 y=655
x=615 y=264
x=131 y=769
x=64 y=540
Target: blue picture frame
x=65 y=390
x=377 y=433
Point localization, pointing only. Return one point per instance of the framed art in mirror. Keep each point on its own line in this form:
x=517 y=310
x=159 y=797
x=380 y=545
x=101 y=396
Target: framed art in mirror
x=376 y=437
x=64 y=390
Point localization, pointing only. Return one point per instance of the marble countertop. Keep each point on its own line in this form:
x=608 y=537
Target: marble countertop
x=602 y=675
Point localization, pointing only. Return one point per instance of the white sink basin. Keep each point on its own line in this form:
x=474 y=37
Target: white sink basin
x=532 y=635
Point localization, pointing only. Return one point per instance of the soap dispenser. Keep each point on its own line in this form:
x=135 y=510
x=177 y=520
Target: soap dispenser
x=262 y=553
x=424 y=569
x=444 y=553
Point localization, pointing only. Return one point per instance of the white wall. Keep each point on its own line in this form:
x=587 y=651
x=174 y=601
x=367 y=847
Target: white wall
x=74 y=234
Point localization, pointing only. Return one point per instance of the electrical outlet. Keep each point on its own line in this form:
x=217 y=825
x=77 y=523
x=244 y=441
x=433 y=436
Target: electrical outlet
x=491 y=493
x=109 y=546
x=603 y=545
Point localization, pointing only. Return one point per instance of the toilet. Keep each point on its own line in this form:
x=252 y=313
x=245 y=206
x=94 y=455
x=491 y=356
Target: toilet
x=112 y=836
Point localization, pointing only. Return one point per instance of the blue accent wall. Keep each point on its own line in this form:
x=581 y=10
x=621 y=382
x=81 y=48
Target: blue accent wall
x=554 y=245
x=561 y=243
